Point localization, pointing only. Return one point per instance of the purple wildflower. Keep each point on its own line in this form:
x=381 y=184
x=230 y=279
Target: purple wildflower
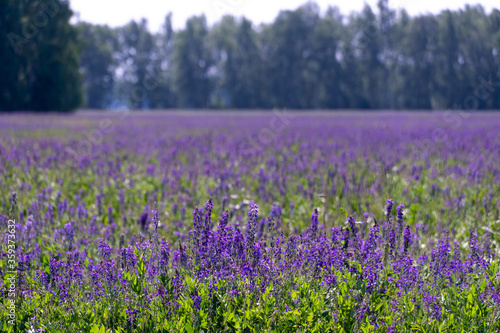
x=314 y=224
x=400 y=214
x=388 y=208
x=104 y=249
x=407 y=239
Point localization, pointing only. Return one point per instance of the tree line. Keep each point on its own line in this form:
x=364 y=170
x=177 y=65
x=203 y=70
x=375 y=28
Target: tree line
x=305 y=59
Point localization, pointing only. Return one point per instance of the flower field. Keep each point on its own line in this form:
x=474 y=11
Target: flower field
x=250 y=222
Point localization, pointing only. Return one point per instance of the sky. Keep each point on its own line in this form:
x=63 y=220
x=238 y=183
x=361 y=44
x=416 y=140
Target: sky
x=119 y=12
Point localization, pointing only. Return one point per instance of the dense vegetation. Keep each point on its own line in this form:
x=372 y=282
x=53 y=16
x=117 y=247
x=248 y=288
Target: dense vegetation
x=39 y=56
x=374 y=59
x=191 y=223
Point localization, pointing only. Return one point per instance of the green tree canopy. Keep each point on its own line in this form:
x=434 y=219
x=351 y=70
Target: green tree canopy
x=39 y=56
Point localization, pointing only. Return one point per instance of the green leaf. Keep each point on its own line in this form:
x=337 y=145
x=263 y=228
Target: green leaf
x=189 y=328
x=342 y=209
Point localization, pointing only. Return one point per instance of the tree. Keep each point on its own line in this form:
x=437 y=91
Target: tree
x=14 y=84
x=386 y=24
x=41 y=55
x=370 y=64
x=288 y=51
x=192 y=63
x=476 y=58
x=495 y=33
x=97 y=64
x=415 y=67
x=160 y=79
x=249 y=87
x=304 y=59
x=238 y=65
x=223 y=47
x=136 y=55
x=330 y=75
x=446 y=83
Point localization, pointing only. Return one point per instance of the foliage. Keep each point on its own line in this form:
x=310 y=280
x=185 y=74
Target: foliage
x=39 y=56
x=305 y=59
x=299 y=235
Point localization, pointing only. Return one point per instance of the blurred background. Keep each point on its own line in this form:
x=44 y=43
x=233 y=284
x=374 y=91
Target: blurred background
x=58 y=55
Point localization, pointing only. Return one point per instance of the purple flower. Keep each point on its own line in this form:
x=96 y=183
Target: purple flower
x=392 y=239
x=143 y=219
x=164 y=256
x=400 y=214
x=110 y=215
x=121 y=199
x=352 y=225
x=129 y=258
x=407 y=239
x=132 y=317
x=388 y=208
x=13 y=201
x=104 y=249
x=69 y=231
x=183 y=213
x=99 y=203
x=251 y=229
x=433 y=305
x=314 y=224
x=156 y=219
x=208 y=214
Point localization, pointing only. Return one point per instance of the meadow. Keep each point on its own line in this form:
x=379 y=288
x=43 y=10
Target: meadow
x=250 y=222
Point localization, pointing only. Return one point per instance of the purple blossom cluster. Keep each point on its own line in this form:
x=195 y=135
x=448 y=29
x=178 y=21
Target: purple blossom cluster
x=223 y=252
x=111 y=223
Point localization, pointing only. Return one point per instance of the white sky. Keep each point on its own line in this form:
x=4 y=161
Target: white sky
x=119 y=12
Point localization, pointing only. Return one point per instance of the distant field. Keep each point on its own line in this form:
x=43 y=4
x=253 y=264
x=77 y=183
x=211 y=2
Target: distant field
x=250 y=221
